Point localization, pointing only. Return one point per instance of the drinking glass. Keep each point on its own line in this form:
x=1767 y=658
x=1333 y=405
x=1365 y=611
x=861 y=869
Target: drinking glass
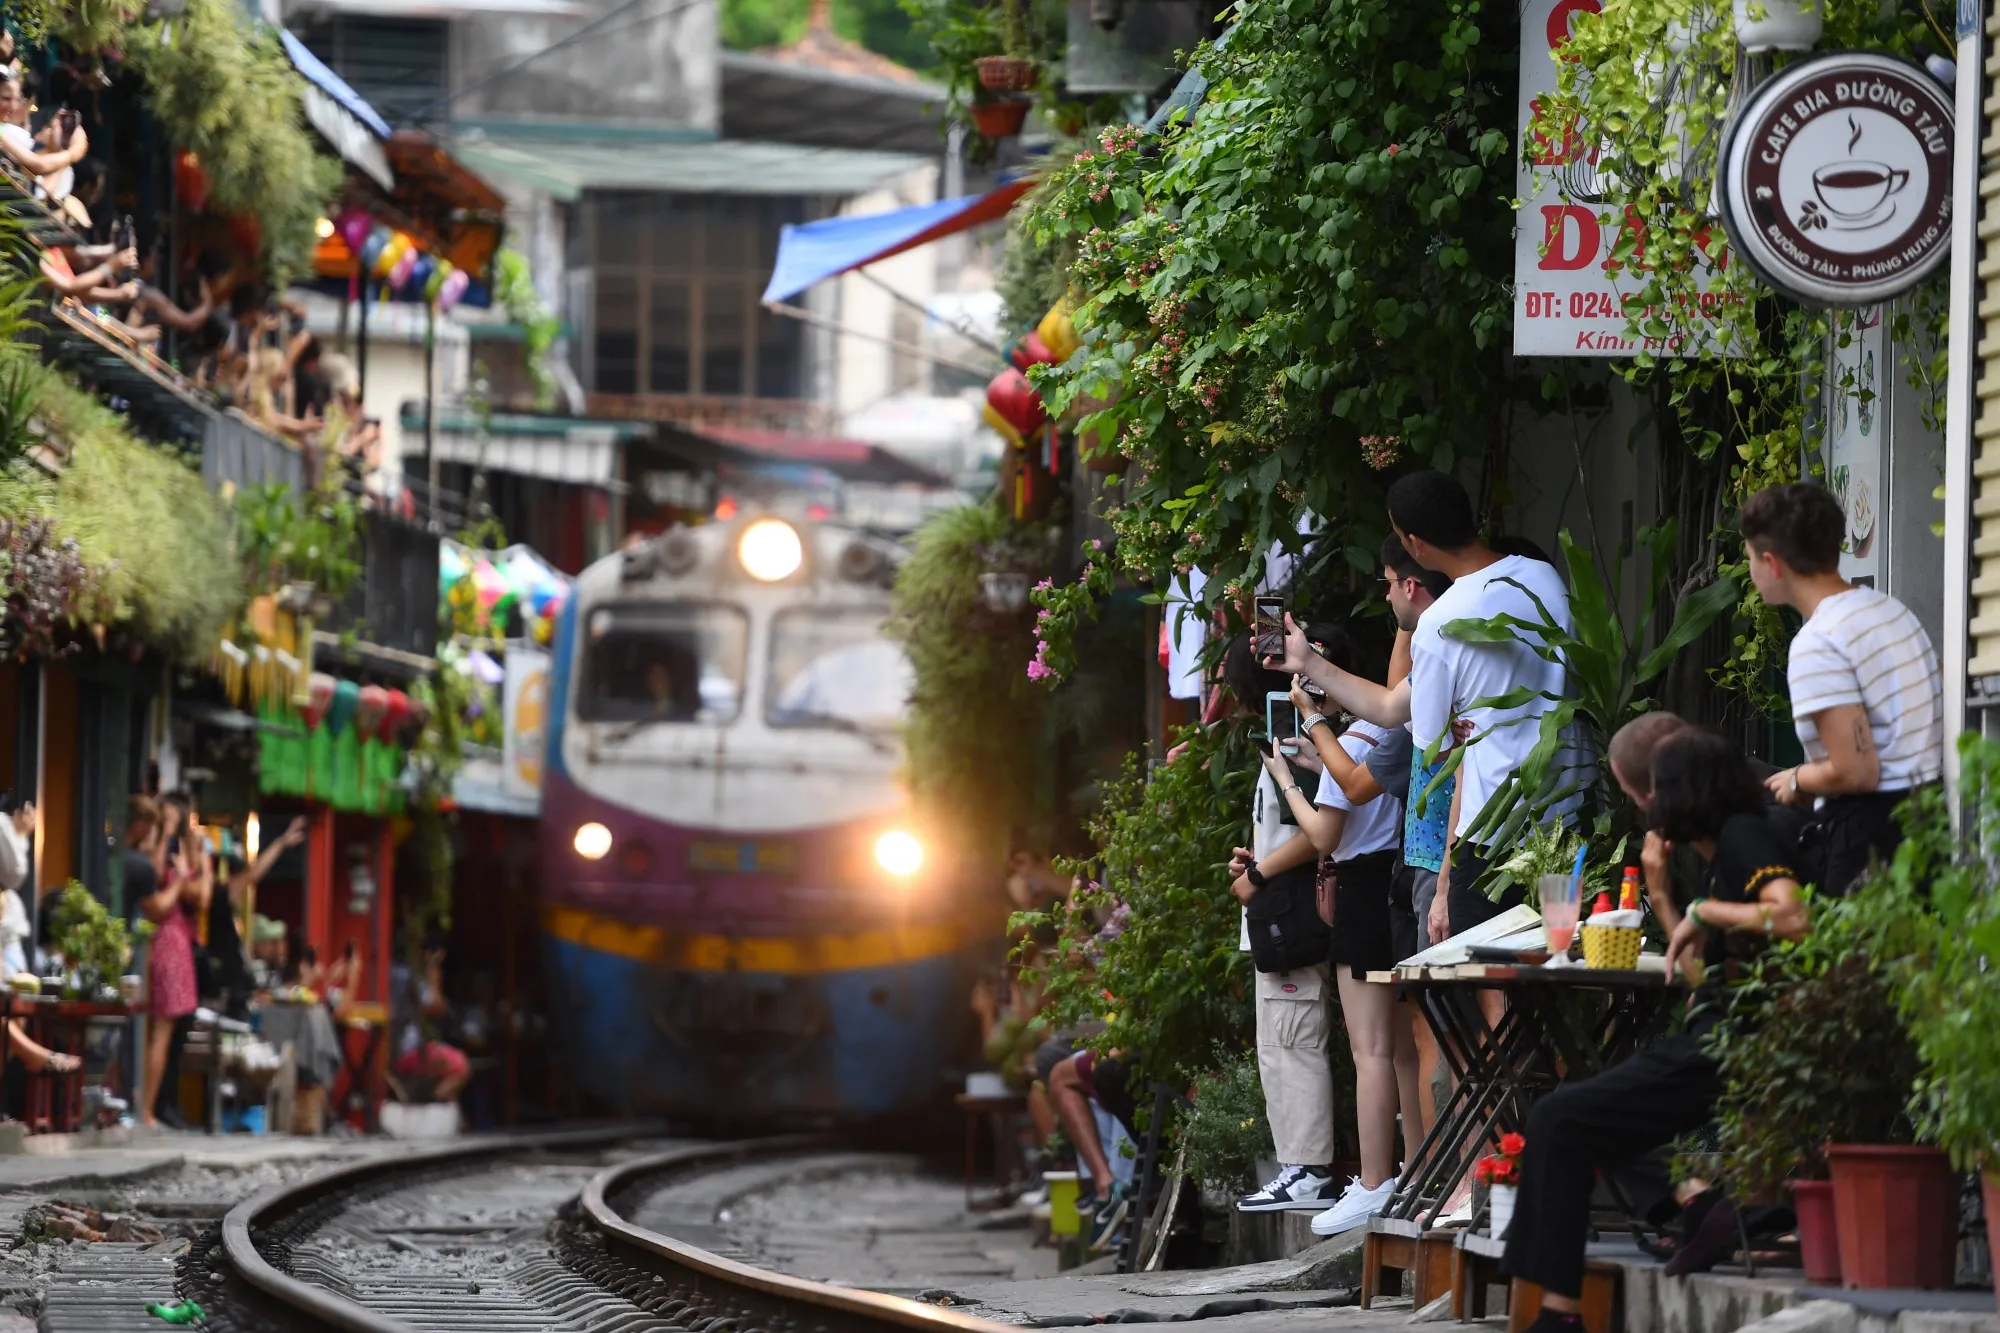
x=1559 y=909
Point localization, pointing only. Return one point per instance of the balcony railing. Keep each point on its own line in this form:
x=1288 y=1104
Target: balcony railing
x=795 y=415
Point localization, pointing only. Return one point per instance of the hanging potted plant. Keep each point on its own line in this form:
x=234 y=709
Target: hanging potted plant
x=1000 y=118
x=1012 y=71
x=1778 y=25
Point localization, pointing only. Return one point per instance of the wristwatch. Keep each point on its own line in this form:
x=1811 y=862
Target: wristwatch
x=1255 y=876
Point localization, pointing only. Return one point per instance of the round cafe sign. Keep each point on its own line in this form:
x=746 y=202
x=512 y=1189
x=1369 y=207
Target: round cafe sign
x=1836 y=178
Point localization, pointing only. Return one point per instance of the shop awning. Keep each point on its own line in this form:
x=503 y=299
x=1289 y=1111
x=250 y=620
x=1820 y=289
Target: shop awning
x=581 y=453
x=342 y=116
x=564 y=166
x=811 y=252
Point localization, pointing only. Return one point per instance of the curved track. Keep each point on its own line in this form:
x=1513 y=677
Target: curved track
x=527 y=1234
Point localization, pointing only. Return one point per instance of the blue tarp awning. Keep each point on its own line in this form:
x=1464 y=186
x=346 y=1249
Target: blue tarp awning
x=811 y=252
x=316 y=72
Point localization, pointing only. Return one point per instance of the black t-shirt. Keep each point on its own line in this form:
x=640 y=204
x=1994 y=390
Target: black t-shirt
x=1750 y=852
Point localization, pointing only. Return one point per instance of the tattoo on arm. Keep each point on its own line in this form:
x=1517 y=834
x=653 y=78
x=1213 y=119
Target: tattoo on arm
x=1864 y=738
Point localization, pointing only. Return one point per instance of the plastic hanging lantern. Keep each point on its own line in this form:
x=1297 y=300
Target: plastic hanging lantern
x=1032 y=351
x=435 y=283
x=418 y=283
x=395 y=712
x=353 y=226
x=405 y=265
x=374 y=704
x=319 y=698
x=346 y=701
x=372 y=247
x=453 y=289
x=392 y=250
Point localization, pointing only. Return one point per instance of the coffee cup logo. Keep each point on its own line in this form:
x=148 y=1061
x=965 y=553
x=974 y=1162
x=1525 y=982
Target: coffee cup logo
x=1859 y=193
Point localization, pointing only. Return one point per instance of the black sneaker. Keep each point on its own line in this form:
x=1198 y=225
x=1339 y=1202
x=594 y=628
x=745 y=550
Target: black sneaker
x=1109 y=1217
x=1294 y=1188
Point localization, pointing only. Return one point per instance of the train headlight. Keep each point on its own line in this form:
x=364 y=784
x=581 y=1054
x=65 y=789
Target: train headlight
x=770 y=550
x=899 y=853
x=593 y=842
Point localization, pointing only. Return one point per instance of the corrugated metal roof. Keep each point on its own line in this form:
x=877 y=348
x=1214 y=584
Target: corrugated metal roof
x=565 y=167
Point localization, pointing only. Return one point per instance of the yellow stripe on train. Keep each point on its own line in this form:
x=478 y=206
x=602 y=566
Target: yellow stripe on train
x=787 y=955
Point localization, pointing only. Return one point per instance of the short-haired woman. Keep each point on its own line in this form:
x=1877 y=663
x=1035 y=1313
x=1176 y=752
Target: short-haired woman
x=1704 y=797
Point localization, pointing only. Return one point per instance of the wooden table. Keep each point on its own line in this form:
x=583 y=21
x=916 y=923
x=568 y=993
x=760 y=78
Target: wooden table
x=1560 y=1023
x=55 y=1101
x=1000 y=1112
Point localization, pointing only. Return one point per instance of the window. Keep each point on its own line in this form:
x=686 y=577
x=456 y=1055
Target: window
x=831 y=666
x=664 y=662
x=678 y=279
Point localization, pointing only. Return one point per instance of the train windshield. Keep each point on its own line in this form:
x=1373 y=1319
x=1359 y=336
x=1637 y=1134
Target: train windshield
x=663 y=662
x=830 y=666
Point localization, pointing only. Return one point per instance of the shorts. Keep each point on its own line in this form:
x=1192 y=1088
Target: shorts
x=1362 y=936
x=1107 y=1081
x=433 y=1060
x=1423 y=895
x=1469 y=908
x=1408 y=932
x=1050 y=1054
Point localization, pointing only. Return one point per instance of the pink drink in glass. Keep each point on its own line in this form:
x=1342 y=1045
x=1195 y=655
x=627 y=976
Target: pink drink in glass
x=1560 y=904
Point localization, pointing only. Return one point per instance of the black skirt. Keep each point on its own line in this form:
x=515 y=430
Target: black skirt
x=1362 y=939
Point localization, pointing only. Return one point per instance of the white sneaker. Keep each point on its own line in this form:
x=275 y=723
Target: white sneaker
x=1357 y=1204
x=1293 y=1189
x=1460 y=1214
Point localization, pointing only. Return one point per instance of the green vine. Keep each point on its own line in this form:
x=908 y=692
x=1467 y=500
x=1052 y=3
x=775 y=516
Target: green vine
x=1734 y=365
x=1303 y=288
x=514 y=289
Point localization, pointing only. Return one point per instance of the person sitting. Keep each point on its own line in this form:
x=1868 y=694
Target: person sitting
x=1074 y=1083
x=426 y=1067
x=1866 y=690
x=1702 y=795
x=49 y=165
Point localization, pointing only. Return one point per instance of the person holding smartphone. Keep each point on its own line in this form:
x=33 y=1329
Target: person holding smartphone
x=1273 y=879
x=1363 y=839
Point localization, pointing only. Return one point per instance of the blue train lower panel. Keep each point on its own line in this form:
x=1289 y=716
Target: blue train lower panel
x=846 y=1043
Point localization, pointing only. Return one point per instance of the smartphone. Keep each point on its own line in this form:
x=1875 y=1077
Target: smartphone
x=67 y=121
x=1281 y=722
x=1305 y=682
x=1269 y=626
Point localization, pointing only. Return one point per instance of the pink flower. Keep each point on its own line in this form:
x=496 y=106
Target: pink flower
x=1037 y=671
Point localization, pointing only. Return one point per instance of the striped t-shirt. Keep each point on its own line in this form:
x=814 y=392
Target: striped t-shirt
x=1865 y=647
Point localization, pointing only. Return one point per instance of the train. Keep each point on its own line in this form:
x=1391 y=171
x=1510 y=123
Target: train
x=740 y=918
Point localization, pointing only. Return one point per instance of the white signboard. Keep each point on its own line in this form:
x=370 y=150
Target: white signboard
x=524 y=702
x=1855 y=431
x=1570 y=295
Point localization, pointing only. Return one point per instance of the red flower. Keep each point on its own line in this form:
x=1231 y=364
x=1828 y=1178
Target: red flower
x=1512 y=1145
x=1394 y=149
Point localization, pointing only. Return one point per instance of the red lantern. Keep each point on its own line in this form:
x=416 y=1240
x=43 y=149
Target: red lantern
x=368 y=713
x=319 y=697
x=191 y=182
x=1032 y=351
x=1016 y=401
x=395 y=715
x=247 y=232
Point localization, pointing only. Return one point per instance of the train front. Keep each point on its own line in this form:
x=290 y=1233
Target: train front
x=741 y=921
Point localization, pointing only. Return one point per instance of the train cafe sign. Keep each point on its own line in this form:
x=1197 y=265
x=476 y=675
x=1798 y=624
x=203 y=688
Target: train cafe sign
x=1834 y=186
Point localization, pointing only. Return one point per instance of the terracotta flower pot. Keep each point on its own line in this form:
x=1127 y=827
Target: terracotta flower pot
x=1005 y=74
x=1896 y=1209
x=1989 y=1185
x=1819 y=1230
x=998 y=120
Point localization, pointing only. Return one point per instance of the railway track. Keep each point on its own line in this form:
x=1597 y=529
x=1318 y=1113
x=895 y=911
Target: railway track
x=549 y=1234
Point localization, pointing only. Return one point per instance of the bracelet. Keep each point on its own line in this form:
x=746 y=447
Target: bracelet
x=1795 y=779
x=1693 y=912
x=1293 y=787
x=1311 y=720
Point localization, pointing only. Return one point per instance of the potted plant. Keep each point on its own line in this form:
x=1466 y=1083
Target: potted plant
x=1013 y=70
x=93 y=943
x=1817 y=1068
x=1000 y=118
x=1500 y=1173
x=1948 y=992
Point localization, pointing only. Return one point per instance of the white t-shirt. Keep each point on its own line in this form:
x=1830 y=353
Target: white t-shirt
x=57 y=186
x=1864 y=647
x=1187 y=634
x=1372 y=826
x=1268 y=832
x=1448 y=675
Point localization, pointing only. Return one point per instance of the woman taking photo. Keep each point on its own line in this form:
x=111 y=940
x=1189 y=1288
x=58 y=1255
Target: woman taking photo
x=184 y=876
x=1364 y=838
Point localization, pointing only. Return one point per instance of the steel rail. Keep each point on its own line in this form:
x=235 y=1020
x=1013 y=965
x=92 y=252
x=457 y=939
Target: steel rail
x=711 y=1279
x=240 y=1225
